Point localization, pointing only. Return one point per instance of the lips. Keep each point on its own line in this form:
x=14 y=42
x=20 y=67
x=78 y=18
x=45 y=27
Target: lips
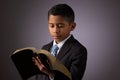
x=56 y=37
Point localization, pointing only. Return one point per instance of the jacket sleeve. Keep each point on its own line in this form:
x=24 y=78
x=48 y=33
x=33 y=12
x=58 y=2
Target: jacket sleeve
x=78 y=63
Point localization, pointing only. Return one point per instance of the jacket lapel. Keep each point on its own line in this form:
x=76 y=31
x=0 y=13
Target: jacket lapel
x=48 y=47
x=65 y=48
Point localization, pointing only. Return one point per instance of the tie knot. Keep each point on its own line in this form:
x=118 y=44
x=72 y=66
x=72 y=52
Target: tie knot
x=55 y=49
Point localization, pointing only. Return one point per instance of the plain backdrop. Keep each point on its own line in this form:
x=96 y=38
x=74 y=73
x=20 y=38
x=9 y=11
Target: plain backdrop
x=23 y=23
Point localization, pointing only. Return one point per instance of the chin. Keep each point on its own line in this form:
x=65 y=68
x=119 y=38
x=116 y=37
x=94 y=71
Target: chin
x=57 y=40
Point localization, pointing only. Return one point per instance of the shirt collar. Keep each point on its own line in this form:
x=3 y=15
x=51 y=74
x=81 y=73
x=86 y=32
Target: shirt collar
x=62 y=42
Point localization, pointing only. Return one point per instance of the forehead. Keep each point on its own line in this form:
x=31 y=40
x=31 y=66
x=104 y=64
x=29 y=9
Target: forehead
x=56 y=18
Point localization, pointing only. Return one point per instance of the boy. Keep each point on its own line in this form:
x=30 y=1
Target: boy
x=70 y=52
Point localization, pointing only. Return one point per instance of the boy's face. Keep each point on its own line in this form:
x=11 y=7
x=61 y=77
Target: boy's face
x=59 y=28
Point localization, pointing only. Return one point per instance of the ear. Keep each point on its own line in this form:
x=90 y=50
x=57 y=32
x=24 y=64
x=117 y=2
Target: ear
x=73 y=25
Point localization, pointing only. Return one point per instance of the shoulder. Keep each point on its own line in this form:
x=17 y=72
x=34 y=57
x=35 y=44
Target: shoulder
x=47 y=46
x=75 y=43
x=76 y=47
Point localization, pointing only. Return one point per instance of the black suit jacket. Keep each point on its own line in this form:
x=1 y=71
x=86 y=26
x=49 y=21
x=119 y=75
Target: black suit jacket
x=73 y=55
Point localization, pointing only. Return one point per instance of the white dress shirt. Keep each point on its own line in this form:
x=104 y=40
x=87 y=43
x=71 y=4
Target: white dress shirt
x=59 y=44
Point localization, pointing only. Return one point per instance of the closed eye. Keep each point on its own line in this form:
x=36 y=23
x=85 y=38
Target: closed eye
x=51 y=25
x=60 y=25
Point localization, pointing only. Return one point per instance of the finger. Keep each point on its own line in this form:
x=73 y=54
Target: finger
x=38 y=59
x=33 y=59
x=36 y=62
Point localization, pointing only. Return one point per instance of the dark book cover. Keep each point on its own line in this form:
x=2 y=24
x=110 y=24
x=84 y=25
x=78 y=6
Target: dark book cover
x=24 y=64
x=22 y=58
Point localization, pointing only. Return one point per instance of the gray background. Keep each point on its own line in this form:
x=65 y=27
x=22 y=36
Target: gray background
x=23 y=23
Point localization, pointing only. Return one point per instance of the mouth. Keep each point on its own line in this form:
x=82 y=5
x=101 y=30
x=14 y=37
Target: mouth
x=56 y=37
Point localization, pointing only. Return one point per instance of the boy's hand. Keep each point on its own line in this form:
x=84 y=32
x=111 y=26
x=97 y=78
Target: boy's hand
x=42 y=67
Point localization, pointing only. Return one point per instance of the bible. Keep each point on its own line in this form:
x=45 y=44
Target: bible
x=22 y=58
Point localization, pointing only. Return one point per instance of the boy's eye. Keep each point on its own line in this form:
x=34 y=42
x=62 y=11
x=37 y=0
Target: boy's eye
x=57 y=25
x=60 y=25
x=51 y=25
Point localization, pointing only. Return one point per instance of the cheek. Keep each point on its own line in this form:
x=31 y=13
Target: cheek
x=51 y=31
x=66 y=30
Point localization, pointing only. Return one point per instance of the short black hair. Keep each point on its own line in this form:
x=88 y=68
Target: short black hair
x=62 y=10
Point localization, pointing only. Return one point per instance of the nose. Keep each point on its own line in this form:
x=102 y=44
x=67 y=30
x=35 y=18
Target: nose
x=56 y=29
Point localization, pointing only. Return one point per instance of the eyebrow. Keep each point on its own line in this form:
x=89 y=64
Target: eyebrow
x=57 y=23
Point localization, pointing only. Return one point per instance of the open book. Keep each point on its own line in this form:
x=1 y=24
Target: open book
x=22 y=58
